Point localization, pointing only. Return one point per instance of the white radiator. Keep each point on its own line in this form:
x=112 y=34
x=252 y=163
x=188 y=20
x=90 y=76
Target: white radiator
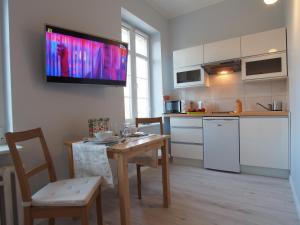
x=11 y=204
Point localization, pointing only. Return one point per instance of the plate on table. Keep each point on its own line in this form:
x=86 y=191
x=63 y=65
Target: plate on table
x=113 y=139
x=138 y=134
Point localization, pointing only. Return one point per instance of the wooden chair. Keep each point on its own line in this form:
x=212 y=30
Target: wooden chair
x=138 y=166
x=66 y=198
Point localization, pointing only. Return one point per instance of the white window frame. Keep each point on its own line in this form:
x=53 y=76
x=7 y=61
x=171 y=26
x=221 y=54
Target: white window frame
x=134 y=106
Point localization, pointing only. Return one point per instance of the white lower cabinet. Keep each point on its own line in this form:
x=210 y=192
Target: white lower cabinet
x=187 y=138
x=264 y=142
x=188 y=151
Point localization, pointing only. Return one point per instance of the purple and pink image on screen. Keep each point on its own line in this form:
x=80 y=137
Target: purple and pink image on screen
x=68 y=56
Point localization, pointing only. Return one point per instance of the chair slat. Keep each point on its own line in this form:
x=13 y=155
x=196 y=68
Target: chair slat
x=37 y=169
x=149 y=121
x=26 y=135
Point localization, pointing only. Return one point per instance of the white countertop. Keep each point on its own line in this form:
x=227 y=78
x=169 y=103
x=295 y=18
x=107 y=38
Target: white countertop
x=4 y=150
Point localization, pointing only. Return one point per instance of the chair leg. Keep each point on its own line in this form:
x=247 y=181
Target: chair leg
x=28 y=220
x=84 y=217
x=99 y=209
x=139 y=181
x=51 y=221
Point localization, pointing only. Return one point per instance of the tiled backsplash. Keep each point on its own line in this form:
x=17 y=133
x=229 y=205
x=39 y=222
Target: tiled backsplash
x=224 y=90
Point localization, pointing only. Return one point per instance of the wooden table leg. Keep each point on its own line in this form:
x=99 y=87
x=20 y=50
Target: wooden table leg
x=71 y=161
x=165 y=175
x=124 y=194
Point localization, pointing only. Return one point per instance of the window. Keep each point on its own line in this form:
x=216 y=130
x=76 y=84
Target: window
x=137 y=90
x=6 y=116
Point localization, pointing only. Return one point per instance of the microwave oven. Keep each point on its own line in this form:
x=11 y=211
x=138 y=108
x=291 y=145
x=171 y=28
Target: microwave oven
x=189 y=76
x=177 y=106
x=264 y=66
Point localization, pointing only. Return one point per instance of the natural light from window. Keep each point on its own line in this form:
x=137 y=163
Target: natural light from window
x=136 y=92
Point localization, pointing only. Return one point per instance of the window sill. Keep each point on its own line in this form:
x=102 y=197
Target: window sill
x=4 y=149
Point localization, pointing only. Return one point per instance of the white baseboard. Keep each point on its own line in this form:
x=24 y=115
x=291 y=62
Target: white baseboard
x=296 y=199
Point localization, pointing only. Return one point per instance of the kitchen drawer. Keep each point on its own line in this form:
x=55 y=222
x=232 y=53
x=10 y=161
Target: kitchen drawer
x=186 y=122
x=187 y=151
x=187 y=135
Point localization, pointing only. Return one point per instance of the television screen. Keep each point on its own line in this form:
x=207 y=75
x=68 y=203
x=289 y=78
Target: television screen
x=73 y=57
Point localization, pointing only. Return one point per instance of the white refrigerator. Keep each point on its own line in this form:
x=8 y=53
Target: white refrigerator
x=221 y=143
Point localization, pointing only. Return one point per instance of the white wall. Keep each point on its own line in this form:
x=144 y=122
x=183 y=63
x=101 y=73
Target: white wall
x=293 y=28
x=231 y=18
x=62 y=110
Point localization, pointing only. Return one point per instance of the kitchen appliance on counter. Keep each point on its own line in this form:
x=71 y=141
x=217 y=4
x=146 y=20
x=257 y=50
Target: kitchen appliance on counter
x=175 y=106
x=275 y=106
x=221 y=143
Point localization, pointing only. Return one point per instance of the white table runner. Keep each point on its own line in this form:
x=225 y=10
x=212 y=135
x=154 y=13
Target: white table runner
x=91 y=160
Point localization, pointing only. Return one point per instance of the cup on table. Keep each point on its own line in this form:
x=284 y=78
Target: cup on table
x=128 y=130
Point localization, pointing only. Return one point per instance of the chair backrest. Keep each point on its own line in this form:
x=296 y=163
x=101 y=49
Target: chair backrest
x=23 y=175
x=150 y=120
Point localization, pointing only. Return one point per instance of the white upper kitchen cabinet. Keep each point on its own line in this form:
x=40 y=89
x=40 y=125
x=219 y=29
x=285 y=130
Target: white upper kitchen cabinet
x=188 y=57
x=222 y=50
x=264 y=142
x=264 y=42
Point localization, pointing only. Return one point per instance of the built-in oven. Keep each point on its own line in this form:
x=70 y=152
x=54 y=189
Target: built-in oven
x=265 y=66
x=189 y=76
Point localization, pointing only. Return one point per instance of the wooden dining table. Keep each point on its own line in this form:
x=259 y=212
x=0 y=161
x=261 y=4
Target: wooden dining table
x=122 y=152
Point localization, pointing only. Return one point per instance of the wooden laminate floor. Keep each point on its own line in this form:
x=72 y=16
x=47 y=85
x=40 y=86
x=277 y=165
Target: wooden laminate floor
x=203 y=197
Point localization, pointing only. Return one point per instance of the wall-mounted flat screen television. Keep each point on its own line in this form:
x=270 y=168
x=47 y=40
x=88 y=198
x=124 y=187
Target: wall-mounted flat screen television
x=73 y=57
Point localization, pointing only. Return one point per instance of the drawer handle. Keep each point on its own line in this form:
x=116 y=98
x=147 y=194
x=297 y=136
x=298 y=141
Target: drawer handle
x=219 y=125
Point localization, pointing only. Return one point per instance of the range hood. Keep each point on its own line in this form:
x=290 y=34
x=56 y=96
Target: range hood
x=223 y=67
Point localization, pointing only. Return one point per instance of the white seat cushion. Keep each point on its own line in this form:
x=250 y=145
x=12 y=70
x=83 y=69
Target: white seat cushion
x=71 y=192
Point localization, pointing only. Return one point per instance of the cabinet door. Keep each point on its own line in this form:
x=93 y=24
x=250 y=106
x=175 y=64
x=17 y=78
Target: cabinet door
x=188 y=57
x=264 y=142
x=264 y=42
x=264 y=66
x=222 y=50
x=190 y=76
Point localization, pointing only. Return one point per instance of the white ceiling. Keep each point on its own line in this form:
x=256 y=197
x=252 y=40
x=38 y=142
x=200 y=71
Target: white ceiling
x=174 y=8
